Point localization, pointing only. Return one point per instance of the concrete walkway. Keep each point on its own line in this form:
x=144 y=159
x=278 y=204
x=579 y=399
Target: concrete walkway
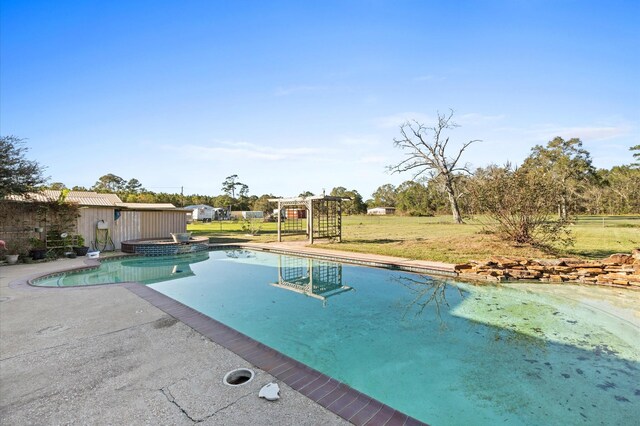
x=302 y=248
x=102 y=355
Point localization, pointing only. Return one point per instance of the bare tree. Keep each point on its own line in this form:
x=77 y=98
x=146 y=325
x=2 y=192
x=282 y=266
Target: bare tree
x=426 y=148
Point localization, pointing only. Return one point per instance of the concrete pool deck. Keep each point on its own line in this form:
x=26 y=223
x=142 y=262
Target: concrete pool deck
x=105 y=355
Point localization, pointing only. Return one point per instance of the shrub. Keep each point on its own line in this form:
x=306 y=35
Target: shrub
x=520 y=204
x=251 y=227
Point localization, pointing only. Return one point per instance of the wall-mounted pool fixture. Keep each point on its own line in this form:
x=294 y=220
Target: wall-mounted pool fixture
x=181 y=237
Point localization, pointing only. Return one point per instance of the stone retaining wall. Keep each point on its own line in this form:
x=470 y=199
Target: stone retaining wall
x=618 y=269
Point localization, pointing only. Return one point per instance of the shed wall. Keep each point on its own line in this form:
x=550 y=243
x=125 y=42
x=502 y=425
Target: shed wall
x=89 y=217
x=131 y=224
x=161 y=224
x=128 y=227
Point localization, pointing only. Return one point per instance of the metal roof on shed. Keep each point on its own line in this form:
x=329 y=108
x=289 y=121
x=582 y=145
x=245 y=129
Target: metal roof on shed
x=147 y=206
x=92 y=199
x=83 y=198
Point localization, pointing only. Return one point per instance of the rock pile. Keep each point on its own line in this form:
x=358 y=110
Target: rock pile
x=618 y=270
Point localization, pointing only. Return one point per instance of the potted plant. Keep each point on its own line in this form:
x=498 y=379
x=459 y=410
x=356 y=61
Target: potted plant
x=15 y=248
x=79 y=248
x=38 y=248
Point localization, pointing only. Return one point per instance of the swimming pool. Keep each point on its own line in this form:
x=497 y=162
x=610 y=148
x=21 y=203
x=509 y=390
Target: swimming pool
x=441 y=351
x=145 y=270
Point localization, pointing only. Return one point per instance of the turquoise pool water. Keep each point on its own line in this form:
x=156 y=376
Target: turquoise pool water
x=144 y=270
x=442 y=351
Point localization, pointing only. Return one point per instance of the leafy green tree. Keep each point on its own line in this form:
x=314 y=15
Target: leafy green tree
x=230 y=185
x=384 y=196
x=620 y=192
x=636 y=155
x=306 y=194
x=264 y=205
x=427 y=153
x=109 y=183
x=145 y=197
x=355 y=204
x=134 y=186
x=17 y=174
x=225 y=201
x=568 y=167
x=415 y=199
x=58 y=186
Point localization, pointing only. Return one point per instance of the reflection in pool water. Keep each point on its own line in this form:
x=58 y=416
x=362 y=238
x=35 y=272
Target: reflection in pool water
x=314 y=278
x=145 y=270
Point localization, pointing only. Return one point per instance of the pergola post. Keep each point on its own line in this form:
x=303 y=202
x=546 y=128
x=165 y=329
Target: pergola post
x=310 y=220
x=279 y=222
x=339 y=221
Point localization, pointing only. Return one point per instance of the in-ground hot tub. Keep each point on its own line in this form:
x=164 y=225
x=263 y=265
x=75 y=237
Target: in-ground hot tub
x=164 y=246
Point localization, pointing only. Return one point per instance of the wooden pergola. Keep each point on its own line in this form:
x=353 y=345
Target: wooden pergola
x=323 y=215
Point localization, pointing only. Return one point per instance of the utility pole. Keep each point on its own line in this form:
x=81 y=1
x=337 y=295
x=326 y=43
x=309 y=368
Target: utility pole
x=182 y=196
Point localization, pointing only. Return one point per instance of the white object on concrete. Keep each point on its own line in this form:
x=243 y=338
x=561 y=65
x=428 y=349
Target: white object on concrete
x=93 y=254
x=270 y=392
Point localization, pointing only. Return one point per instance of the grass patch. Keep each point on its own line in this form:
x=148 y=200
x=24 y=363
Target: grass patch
x=438 y=239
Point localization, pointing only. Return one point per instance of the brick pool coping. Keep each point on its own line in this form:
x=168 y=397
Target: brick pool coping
x=335 y=396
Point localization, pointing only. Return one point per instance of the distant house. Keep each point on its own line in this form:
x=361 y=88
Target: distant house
x=381 y=211
x=106 y=214
x=201 y=212
x=253 y=215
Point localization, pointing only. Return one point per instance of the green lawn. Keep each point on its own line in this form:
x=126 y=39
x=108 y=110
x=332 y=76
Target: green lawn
x=436 y=238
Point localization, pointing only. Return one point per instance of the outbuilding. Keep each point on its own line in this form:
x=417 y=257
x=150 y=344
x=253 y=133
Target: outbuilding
x=379 y=211
x=103 y=221
x=201 y=212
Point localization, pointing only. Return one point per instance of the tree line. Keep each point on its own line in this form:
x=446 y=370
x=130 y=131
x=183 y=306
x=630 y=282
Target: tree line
x=562 y=169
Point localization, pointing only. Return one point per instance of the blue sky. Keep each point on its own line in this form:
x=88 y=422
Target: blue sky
x=305 y=95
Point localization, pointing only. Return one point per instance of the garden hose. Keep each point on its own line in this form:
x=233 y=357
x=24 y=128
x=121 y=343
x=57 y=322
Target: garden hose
x=103 y=239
